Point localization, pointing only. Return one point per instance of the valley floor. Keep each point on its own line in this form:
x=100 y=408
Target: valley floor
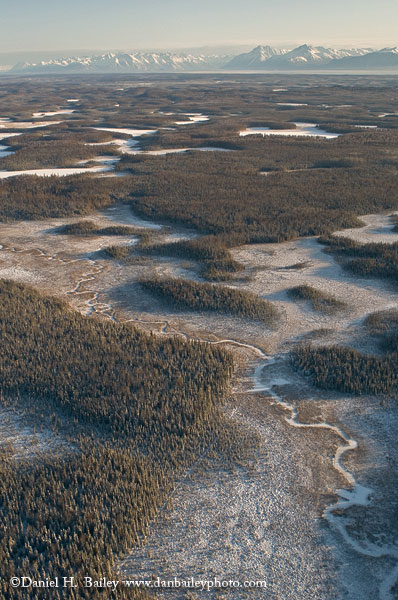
x=264 y=519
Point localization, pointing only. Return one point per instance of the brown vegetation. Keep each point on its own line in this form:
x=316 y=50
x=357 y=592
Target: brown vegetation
x=320 y=301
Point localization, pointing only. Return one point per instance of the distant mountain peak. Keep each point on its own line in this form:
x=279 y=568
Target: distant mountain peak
x=259 y=54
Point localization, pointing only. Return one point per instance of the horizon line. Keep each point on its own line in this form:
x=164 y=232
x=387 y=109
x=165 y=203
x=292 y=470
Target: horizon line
x=287 y=45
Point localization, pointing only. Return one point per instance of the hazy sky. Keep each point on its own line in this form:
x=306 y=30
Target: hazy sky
x=131 y=24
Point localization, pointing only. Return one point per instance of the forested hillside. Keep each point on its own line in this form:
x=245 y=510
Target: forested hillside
x=135 y=423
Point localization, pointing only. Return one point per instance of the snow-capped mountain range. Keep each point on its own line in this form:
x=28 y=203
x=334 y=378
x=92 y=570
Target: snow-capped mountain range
x=265 y=58
x=125 y=63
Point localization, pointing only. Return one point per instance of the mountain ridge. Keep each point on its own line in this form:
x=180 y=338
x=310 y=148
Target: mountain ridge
x=300 y=57
x=125 y=62
x=262 y=57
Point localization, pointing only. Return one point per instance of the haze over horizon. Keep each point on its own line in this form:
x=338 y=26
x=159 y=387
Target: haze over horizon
x=100 y=25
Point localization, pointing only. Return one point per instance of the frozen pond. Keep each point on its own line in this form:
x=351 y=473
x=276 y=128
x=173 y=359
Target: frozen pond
x=131 y=146
x=302 y=130
x=4 y=151
x=193 y=118
x=105 y=167
x=3 y=136
x=126 y=131
x=65 y=111
x=177 y=150
x=59 y=172
x=5 y=123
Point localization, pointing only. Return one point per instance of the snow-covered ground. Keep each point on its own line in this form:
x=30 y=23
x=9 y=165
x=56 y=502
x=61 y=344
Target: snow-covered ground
x=21 y=441
x=265 y=522
x=377 y=229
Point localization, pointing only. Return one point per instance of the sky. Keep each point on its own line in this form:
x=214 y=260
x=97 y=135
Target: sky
x=45 y=25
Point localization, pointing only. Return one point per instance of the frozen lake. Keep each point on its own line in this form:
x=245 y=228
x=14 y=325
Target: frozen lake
x=5 y=123
x=302 y=130
x=106 y=165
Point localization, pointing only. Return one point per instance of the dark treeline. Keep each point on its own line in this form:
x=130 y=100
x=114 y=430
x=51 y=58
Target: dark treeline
x=118 y=252
x=320 y=301
x=384 y=321
x=91 y=228
x=369 y=260
x=180 y=293
x=148 y=406
x=347 y=370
